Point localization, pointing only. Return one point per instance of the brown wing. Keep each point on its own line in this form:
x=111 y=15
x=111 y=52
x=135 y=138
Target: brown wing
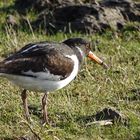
x=47 y=60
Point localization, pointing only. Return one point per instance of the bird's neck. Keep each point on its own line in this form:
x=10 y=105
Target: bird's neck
x=80 y=54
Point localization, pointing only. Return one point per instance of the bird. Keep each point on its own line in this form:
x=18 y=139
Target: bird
x=45 y=67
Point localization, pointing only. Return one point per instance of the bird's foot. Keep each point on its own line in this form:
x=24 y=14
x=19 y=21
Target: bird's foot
x=45 y=121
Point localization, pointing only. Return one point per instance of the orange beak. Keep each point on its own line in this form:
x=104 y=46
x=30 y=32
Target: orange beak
x=92 y=56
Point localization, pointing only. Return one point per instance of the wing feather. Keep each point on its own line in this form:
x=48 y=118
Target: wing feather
x=41 y=60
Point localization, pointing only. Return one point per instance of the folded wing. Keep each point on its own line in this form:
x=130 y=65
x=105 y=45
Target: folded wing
x=40 y=60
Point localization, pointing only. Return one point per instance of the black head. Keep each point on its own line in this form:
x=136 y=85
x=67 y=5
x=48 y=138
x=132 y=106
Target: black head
x=82 y=48
x=79 y=43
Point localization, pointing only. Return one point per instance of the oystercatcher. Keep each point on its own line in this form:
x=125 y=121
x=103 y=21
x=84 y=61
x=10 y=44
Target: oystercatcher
x=45 y=67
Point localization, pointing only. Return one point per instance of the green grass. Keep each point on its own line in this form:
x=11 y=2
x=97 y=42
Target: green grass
x=93 y=89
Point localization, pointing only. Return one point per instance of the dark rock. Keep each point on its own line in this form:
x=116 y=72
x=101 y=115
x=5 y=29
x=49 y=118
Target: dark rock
x=132 y=14
x=114 y=18
x=84 y=16
x=129 y=9
x=39 y=5
x=81 y=18
x=107 y=115
x=23 y=6
x=137 y=5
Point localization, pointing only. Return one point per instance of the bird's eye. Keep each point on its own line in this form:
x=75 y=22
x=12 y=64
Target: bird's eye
x=89 y=46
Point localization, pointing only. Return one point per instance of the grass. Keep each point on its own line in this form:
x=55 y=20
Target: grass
x=92 y=90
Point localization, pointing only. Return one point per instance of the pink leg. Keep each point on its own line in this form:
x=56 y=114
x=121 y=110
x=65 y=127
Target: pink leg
x=25 y=104
x=44 y=108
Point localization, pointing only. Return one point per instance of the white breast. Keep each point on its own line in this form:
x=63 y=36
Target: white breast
x=38 y=84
